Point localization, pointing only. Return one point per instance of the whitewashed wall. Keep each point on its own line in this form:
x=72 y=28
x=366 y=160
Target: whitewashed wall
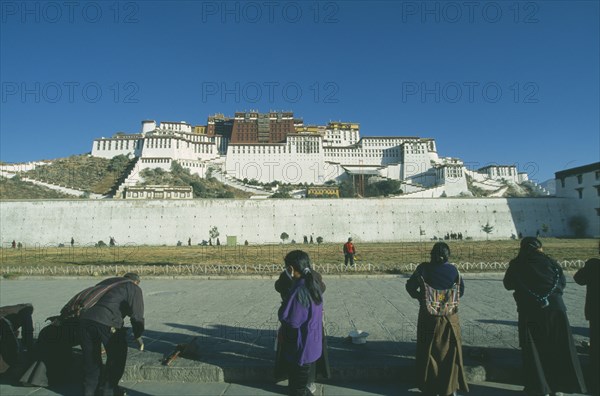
x=158 y=222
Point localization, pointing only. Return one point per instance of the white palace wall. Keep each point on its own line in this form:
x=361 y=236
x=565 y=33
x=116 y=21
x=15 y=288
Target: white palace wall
x=157 y=222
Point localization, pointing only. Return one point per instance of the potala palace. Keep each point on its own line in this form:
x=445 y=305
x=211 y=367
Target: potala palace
x=276 y=146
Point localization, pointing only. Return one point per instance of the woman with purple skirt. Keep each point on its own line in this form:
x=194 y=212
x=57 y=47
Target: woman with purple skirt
x=301 y=320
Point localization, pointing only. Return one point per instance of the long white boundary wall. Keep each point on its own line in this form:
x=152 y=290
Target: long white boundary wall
x=160 y=222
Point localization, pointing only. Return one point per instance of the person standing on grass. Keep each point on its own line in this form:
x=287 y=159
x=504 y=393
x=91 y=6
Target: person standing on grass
x=550 y=360
x=349 y=252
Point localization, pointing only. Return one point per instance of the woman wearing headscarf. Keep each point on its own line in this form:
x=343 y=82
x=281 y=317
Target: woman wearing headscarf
x=549 y=357
x=283 y=286
x=438 y=286
x=301 y=319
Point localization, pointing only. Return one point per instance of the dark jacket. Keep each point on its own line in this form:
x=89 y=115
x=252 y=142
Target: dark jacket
x=123 y=300
x=438 y=276
x=13 y=318
x=536 y=273
x=590 y=276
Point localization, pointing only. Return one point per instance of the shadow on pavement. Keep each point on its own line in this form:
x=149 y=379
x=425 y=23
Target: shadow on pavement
x=247 y=353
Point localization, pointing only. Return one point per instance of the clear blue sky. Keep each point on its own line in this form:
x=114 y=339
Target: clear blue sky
x=493 y=82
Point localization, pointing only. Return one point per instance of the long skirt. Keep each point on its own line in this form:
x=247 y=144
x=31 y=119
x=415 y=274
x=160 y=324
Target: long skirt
x=53 y=355
x=594 y=354
x=439 y=359
x=550 y=360
x=321 y=367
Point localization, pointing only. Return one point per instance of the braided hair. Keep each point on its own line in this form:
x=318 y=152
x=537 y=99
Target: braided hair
x=300 y=262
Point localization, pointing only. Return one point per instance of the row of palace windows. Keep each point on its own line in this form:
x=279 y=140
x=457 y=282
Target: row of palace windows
x=152 y=194
x=121 y=144
x=158 y=143
x=258 y=149
x=193 y=164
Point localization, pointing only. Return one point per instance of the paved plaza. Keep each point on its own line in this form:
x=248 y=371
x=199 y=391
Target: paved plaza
x=232 y=324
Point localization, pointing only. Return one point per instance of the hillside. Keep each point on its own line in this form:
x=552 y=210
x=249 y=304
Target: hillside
x=550 y=185
x=503 y=188
x=203 y=188
x=17 y=189
x=82 y=172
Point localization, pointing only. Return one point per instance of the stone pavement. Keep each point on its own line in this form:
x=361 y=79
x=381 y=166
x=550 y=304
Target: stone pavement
x=146 y=388
x=232 y=322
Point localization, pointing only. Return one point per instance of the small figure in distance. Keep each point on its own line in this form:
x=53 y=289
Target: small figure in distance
x=349 y=252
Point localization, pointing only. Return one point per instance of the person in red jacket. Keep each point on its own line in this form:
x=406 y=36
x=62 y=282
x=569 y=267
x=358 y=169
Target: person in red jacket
x=349 y=252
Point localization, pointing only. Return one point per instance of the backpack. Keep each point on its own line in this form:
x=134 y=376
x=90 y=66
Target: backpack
x=348 y=248
x=441 y=302
x=86 y=299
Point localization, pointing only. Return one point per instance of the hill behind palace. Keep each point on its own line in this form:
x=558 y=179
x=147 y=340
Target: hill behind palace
x=95 y=175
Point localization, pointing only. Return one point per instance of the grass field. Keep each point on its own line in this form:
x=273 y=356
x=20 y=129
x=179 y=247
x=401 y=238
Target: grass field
x=387 y=257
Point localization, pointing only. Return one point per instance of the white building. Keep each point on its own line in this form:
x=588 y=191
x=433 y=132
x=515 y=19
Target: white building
x=583 y=184
x=503 y=172
x=157 y=146
x=159 y=192
x=314 y=154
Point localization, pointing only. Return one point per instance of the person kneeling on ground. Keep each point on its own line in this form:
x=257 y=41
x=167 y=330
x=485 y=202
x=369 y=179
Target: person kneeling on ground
x=102 y=324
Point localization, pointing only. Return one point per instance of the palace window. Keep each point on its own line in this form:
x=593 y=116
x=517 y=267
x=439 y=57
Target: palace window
x=579 y=179
x=579 y=192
